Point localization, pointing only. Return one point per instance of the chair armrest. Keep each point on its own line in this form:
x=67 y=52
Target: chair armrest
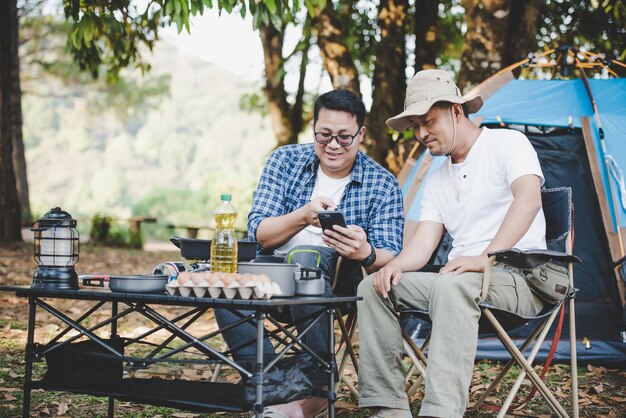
x=530 y=259
x=335 y=280
x=522 y=259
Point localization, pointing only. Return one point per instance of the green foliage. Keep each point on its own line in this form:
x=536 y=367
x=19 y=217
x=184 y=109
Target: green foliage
x=100 y=227
x=254 y=102
x=172 y=163
x=43 y=53
x=596 y=25
x=112 y=35
x=358 y=20
x=105 y=231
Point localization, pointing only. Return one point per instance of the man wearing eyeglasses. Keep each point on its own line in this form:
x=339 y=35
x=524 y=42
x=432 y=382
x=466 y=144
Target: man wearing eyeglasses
x=297 y=183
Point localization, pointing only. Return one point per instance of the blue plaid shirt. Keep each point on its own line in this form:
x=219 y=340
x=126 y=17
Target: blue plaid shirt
x=372 y=199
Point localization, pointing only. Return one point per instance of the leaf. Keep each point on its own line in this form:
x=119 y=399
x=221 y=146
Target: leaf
x=77 y=36
x=169 y=6
x=89 y=29
x=9 y=397
x=598 y=388
x=310 y=7
x=276 y=20
x=271 y=6
x=191 y=374
x=63 y=408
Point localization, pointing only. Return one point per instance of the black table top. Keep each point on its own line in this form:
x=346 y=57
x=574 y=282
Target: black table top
x=165 y=299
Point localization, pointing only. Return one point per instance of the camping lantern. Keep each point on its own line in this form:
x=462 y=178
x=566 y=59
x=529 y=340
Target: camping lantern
x=56 y=249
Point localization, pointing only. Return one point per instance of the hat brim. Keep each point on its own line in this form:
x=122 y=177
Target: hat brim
x=401 y=122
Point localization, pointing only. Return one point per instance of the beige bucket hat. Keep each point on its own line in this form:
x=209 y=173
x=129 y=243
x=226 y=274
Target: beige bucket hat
x=425 y=89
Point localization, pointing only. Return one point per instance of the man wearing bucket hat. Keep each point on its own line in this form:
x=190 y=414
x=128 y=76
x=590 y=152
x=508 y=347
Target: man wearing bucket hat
x=487 y=197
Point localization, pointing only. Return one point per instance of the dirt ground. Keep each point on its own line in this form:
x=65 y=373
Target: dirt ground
x=602 y=392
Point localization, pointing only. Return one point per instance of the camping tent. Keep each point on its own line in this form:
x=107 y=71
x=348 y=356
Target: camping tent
x=558 y=118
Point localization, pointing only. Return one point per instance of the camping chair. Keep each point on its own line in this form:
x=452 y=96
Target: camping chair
x=558 y=211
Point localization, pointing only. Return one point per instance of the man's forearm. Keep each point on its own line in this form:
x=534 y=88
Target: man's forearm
x=520 y=216
x=276 y=231
x=418 y=251
x=382 y=258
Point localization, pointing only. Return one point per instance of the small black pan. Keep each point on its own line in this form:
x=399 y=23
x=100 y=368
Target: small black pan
x=200 y=249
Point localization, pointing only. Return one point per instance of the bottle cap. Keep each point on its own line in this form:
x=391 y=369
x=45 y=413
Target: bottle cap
x=226 y=197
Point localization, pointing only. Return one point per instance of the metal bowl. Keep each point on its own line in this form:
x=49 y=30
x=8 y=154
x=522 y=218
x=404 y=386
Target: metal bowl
x=138 y=283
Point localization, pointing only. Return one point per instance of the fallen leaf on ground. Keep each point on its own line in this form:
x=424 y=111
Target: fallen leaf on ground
x=63 y=408
x=349 y=406
x=191 y=374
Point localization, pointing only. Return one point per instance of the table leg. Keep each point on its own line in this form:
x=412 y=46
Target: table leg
x=28 y=357
x=111 y=403
x=258 y=402
x=330 y=311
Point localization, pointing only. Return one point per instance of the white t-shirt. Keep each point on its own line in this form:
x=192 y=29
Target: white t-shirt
x=472 y=198
x=311 y=235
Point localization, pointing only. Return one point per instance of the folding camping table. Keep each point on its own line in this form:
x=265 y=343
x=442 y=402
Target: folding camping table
x=91 y=364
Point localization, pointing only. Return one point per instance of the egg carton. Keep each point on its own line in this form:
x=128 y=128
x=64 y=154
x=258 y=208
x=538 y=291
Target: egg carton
x=225 y=285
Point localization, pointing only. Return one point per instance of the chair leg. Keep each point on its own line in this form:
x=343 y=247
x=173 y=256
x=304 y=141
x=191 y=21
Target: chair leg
x=349 y=332
x=347 y=336
x=518 y=382
x=574 y=361
x=496 y=382
x=545 y=392
x=418 y=360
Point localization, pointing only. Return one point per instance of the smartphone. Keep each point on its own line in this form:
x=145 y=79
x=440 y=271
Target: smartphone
x=328 y=218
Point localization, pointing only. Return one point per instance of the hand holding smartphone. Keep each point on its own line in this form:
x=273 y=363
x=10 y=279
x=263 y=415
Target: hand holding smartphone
x=328 y=218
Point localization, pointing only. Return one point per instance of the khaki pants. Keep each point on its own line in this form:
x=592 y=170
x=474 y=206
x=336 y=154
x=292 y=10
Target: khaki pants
x=452 y=302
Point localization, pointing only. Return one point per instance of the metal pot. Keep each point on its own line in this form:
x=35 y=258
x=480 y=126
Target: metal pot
x=138 y=283
x=310 y=282
x=280 y=273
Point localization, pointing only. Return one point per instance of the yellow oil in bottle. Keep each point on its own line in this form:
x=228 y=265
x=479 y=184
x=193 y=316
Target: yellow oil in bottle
x=224 y=243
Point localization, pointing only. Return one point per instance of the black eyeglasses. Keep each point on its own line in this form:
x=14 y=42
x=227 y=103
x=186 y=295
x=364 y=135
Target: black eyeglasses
x=344 y=140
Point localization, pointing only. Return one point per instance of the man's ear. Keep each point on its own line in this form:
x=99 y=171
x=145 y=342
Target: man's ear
x=457 y=108
x=362 y=132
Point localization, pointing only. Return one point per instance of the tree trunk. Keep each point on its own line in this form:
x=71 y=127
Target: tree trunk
x=338 y=61
x=427 y=44
x=487 y=26
x=389 y=81
x=297 y=119
x=279 y=110
x=19 y=157
x=10 y=222
x=524 y=21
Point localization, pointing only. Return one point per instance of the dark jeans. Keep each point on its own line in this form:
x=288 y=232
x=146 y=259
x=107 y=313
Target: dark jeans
x=241 y=338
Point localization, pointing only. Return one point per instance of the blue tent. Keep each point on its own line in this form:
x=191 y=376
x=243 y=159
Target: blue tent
x=562 y=103
x=558 y=117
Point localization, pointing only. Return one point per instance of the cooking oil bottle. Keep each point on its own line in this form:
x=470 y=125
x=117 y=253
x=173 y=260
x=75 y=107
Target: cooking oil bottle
x=224 y=243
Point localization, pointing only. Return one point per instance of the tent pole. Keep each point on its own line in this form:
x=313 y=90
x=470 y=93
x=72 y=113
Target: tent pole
x=606 y=163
